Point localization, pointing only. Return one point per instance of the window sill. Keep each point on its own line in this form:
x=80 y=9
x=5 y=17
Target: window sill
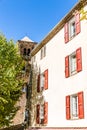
x=73 y=73
x=74 y=118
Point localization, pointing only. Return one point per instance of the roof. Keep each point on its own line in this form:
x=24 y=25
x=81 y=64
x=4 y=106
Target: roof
x=27 y=39
x=59 y=26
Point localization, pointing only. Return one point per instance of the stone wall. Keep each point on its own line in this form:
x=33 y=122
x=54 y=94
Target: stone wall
x=20 y=115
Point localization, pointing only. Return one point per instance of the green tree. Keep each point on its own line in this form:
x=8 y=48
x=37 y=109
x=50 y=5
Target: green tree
x=10 y=81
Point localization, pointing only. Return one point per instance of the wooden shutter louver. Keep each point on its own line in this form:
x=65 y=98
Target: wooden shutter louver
x=38 y=83
x=66 y=33
x=46 y=79
x=77 y=22
x=79 y=59
x=38 y=114
x=45 y=112
x=80 y=105
x=67 y=66
x=67 y=107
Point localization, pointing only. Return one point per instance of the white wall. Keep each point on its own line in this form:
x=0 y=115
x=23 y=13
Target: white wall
x=59 y=86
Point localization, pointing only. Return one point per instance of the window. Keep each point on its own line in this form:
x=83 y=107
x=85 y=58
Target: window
x=73 y=63
x=75 y=106
x=43 y=52
x=72 y=31
x=42 y=81
x=42 y=113
x=28 y=52
x=72 y=28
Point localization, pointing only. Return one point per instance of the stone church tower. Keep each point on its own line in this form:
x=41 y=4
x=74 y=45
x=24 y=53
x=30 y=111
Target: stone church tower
x=25 y=46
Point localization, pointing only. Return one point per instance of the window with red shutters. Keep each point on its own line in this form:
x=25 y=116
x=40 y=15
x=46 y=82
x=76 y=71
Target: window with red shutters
x=75 y=106
x=38 y=83
x=67 y=107
x=72 y=28
x=80 y=105
x=79 y=59
x=38 y=114
x=77 y=22
x=66 y=33
x=45 y=112
x=67 y=66
x=46 y=79
x=42 y=81
x=73 y=63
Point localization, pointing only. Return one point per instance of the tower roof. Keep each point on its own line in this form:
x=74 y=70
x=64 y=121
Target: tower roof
x=27 y=39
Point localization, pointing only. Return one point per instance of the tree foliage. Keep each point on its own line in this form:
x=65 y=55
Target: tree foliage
x=10 y=83
x=83 y=14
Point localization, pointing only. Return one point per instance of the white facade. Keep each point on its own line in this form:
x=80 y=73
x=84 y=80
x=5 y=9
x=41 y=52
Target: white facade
x=58 y=85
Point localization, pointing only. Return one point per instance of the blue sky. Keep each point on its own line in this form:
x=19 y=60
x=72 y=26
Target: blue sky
x=32 y=18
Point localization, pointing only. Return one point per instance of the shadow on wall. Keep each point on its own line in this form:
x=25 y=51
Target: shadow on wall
x=16 y=127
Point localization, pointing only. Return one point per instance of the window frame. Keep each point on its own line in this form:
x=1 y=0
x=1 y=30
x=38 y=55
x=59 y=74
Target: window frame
x=77 y=27
x=41 y=113
x=43 y=52
x=42 y=81
x=72 y=62
x=74 y=104
x=44 y=108
x=41 y=56
x=72 y=34
x=79 y=109
x=78 y=66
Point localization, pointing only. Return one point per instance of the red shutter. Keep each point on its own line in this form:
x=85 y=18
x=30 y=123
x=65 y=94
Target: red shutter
x=38 y=83
x=46 y=79
x=66 y=33
x=79 y=59
x=80 y=105
x=67 y=107
x=77 y=22
x=45 y=112
x=38 y=114
x=67 y=66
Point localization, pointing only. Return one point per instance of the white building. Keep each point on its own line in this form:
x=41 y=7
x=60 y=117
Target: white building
x=61 y=58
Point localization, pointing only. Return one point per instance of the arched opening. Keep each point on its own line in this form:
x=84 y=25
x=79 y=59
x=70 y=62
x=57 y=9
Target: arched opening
x=28 y=51
x=24 y=51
